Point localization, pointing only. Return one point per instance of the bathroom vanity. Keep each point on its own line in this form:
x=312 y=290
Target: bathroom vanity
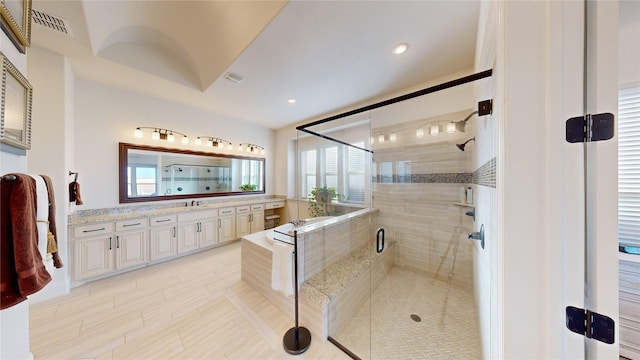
x=107 y=242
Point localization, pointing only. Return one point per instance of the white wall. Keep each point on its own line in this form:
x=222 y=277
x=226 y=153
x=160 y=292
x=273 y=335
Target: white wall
x=14 y=321
x=105 y=116
x=486 y=210
x=629 y=40
x=52 y=81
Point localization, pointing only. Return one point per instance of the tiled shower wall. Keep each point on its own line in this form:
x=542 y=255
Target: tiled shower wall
x=416 y=188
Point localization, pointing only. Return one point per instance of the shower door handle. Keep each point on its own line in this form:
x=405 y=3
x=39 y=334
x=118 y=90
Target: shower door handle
x=380 y=240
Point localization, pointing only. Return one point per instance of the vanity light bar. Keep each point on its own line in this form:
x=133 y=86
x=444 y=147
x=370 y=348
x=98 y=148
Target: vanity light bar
x=161 y=134
x=251 y=148
x=212 y=141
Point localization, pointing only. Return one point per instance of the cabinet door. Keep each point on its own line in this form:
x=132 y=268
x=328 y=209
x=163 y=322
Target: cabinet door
x=226 y=228
x=243 y=225
x=162 y=242
x=188 y=236
x=257 y=221
x=208 y=232
x=93 y=256
x=131 y=249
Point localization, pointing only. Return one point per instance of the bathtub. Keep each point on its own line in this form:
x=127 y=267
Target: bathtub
x=309 y=224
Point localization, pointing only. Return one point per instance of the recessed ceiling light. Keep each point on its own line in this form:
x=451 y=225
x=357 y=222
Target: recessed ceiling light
x=400 y=48
x=291 y=101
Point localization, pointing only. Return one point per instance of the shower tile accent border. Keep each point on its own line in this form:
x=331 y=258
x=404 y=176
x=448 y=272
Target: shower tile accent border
x=485 y=175
x=434 y=178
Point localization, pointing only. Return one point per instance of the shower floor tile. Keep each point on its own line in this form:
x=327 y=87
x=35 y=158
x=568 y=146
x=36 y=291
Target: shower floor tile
x=447 y=328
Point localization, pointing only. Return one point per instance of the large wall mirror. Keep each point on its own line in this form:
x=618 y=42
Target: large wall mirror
x=149 y=173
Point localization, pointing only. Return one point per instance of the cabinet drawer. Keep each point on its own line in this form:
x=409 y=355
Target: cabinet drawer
x=93 y=230
x=226 y=211
x=257 y=207
x=275 y=204
x=198 y=215
x=124 y=225
x=162 y=220
x=243 y=209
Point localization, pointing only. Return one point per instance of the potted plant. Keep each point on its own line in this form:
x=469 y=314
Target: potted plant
x=319 y=198
x=248 y=187
x=323 y=194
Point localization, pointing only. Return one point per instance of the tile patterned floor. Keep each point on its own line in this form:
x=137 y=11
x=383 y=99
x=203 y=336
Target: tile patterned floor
x=197 y=307
x=194 y=307
x=447 y=330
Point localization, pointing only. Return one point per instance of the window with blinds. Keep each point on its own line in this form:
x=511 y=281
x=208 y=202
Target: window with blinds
x=340 y=167
x=629 y=167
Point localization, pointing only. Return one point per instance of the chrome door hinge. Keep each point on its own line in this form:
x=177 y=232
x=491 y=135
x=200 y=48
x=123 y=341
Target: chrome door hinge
x=591 y=324
x=590 y=127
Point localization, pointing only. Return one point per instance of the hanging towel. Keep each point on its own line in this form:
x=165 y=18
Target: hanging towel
x=52 y=237
x=42 y=215
x=282 y=268
x=22 y=271
x=74 y=193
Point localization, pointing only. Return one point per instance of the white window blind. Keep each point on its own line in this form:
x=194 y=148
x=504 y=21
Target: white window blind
x=629 y=166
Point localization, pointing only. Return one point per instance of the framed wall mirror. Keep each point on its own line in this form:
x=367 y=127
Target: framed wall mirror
x=15 y=113
x=149 y=173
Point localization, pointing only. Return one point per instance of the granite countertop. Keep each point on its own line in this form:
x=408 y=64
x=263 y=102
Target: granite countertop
x=128 y=212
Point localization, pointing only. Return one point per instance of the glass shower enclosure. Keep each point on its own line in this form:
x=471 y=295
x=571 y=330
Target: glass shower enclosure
x=390 y=264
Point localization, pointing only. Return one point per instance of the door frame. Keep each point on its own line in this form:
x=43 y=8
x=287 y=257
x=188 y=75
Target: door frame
x=538 y=265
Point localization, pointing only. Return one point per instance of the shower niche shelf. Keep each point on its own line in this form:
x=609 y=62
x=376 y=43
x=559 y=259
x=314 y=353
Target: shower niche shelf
x=465 y=205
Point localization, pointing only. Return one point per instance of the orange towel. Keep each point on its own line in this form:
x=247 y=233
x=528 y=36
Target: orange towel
x=22 y=271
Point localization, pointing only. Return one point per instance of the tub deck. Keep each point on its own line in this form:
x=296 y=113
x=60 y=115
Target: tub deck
x=338 y=256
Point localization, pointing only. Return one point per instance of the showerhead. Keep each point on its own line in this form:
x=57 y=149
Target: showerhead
x=461 y=146
x=460 y=125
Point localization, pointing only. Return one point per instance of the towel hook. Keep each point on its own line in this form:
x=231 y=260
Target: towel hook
x=75 y=178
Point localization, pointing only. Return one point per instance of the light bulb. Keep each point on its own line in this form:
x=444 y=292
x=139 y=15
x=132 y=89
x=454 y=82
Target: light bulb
x=221 y=146
x=240 y=147
x=198 y=141
x=262 y=151
x=155 y=135
x=372 y=140
x=420 y=133
x=171 y=138
x=381 y=138
x=230 y=146
x=434 y=130
x=138 y=133
x=451 y=128
x=249 y=149
x=185 y=140
x=392 y=137
x=209 y=143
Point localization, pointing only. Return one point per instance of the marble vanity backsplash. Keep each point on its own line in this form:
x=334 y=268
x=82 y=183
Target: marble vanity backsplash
x=149 y=209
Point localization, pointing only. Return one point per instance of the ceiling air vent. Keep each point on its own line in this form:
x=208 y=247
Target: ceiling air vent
x=236 y=78
x=54 y=23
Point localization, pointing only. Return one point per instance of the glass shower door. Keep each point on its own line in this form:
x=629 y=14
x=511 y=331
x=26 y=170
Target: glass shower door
x=423 y=303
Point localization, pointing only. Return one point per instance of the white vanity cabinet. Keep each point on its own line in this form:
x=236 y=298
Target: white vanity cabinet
x=92 y=249
x=108 y=247
x=250 y=219
x=226 y=224
x=197 y=230
x=114 y=244
x=162 y=237
x=131 y=243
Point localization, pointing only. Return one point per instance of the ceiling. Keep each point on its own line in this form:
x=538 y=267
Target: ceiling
x=328 y=55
